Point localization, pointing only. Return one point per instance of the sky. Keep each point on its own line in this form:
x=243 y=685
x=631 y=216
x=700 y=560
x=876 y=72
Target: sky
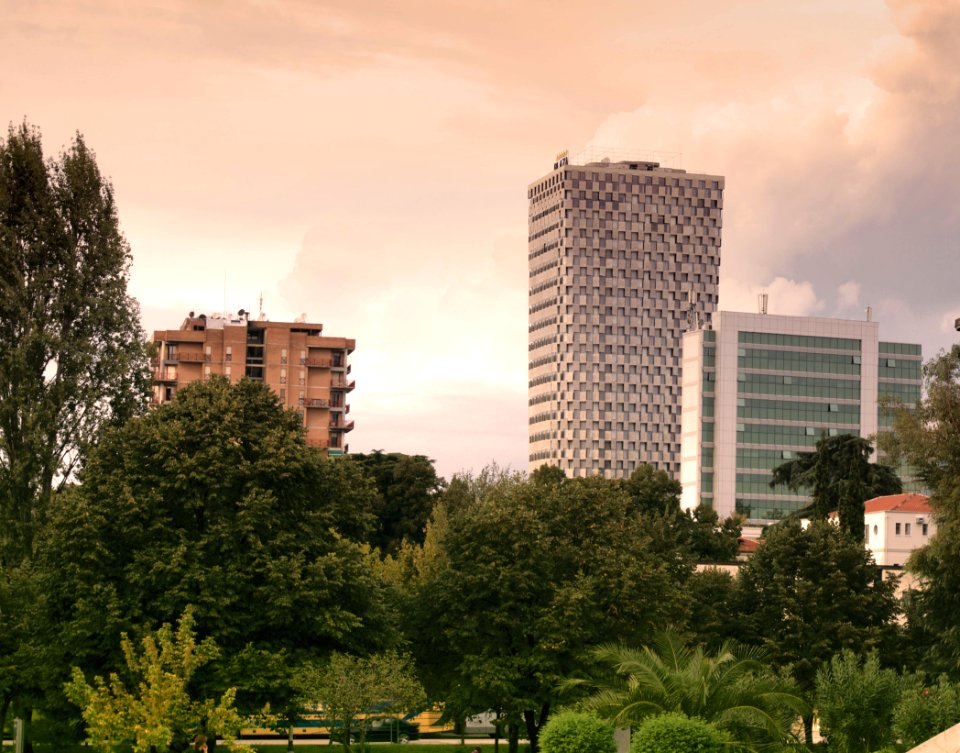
x=366 y=162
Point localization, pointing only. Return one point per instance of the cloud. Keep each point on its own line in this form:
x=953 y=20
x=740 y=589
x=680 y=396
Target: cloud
x=850 y=178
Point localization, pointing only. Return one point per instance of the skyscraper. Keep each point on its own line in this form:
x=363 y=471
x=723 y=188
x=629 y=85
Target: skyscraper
x=624 y=257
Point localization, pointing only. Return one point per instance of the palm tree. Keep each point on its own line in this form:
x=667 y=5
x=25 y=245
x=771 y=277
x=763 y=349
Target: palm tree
x=732 y=689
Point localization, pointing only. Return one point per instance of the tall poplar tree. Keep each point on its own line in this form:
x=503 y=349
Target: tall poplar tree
x=72 y=352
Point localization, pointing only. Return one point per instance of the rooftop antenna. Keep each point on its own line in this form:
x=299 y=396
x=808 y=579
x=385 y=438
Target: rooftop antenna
x=263 y=317
x=762 y=300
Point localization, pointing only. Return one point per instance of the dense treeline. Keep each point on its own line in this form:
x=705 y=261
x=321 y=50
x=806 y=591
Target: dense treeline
x=521 y=595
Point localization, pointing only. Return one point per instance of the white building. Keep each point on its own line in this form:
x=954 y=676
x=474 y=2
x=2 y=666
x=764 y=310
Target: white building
x=759 y=388
x=623 y=258
x=897 y=524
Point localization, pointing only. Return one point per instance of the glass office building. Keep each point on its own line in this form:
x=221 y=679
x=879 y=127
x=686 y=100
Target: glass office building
x=758 y=389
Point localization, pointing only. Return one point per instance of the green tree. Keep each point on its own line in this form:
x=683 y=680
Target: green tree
x=530 y=576
x=409 y=487
x=840 y=477
x=855 y=702
x=675 y=732
x=576 y=732
x=732 y=689
x=806 y=594
x=159 y=713
x=347 y=687
x=652 y=490
x=927 y=440
x=214 y=501
x=72 y=353
x=925 y=710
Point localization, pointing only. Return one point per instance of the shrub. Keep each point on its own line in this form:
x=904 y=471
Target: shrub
x=576 y=732
x=855 y=702
x=924 y=712
x=676 y=733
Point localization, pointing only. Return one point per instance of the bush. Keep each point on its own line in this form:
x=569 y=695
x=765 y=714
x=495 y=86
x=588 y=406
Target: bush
x=576 y=732
x=924 y=712
x=855 y=703
x=676 y=733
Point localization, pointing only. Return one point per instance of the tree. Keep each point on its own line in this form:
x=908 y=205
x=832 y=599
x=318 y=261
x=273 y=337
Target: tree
x=927 y=440
x=215 y=501
x=530 y=576
x=72 y=353
x=409 y=487
x=159 y=714
x=840 y=477
x=347 y=687
x=855 y=702
x=806 y=594
x=731 y=689
x=652 y=490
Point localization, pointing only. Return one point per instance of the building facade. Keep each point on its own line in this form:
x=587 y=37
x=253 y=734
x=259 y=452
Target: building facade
x=758 y=389
x=623 y=258
x=309 y=372
x=896 y=525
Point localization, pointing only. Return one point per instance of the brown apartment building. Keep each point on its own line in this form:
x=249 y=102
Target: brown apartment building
x=308 y=371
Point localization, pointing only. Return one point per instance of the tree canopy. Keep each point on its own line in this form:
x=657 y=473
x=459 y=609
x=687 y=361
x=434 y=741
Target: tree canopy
x=72 y=353
x=528 y=576
x=214 y=501
x=808 y=593
x=927 y=440
x=840 y=477
x=409 y=487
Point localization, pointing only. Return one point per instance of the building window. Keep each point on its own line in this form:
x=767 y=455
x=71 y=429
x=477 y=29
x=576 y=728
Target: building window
x=898 y=529
x=906 y=529
x=229 y=354
x=923 y=529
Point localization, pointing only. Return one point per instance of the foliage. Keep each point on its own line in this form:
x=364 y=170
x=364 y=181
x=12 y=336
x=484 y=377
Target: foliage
x=530 y=575
x=72 y=357
x=713 y=611
x=924 y=711
x=928 y=441
x=409 y=487
x=652 y=490
x=576 y=732
x=213 y=500
x=675 y=732
x=806 y=594
x=732 y=689
x=159 y=714
x=840 y=477
x=348 y=686
x=855 y=702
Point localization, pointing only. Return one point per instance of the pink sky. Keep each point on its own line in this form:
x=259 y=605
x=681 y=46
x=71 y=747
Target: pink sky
x=366 y=163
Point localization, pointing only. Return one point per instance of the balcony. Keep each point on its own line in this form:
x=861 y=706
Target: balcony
x=192 y=357
x=317 y=402
x=316 y=363
x=341 y=425
x=342 y=384
x=322 y=443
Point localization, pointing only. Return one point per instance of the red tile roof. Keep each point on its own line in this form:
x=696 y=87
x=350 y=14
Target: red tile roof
x=898 y=503
x=748 y=546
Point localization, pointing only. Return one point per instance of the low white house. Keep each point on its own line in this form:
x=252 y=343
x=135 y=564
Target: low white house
x=895 y=525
